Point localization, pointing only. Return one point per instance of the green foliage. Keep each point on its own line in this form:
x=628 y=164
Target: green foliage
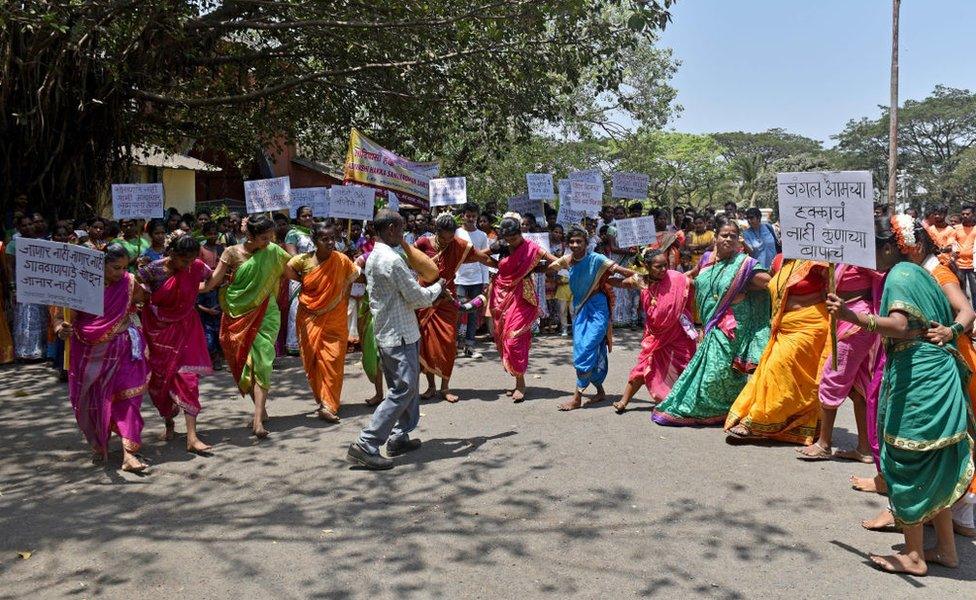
x=84 y=81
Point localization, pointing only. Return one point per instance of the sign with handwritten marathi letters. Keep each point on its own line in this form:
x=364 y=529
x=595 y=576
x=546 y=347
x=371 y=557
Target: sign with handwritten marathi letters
x=137 y=201
x=57 y=274
x=316 y=198
x=586 y=191
x=265 y=195
x=539 y=186
x=632 y=186
x=448 y=191
x=351 y=202
x=567 y=215
x=634 y=233
x=523 y=205
x=540 y=239
x=827 y=216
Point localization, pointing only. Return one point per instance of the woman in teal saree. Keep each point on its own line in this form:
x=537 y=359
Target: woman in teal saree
x=923 y=415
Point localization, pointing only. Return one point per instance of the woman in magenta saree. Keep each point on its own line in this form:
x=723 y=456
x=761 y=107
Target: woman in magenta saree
x=108 y=371
x=670 y=337
x=513 y=302
x=174 y=333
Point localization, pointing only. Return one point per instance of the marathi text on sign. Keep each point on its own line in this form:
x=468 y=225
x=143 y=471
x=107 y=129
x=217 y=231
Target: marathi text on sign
x=57 y=274
x=448 y=191
x=266 y=195
x=539 y=186
x=827 y=216
x=137 y=201
x=635 y=232
x=351 y=202
x=632 y=186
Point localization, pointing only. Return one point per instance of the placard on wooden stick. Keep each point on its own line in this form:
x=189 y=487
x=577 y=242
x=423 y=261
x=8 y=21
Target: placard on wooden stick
x=827 y=216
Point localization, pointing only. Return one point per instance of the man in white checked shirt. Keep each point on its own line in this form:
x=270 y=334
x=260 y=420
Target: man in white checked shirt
x=394 y=295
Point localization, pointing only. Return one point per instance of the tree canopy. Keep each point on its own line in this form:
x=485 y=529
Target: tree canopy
x=83 y=82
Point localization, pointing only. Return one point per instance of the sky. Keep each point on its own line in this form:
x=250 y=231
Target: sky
x=809 y=66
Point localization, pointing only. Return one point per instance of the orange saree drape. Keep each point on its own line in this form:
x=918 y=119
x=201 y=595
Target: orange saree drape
x=323 y=331
x=438 y=323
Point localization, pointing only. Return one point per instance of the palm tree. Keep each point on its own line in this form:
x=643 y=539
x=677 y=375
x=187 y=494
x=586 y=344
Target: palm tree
x=747 y=168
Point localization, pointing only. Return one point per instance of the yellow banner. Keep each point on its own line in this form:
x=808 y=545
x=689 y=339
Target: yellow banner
x=368 y=163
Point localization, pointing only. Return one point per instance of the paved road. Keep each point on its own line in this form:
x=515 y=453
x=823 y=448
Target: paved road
x=502 y=501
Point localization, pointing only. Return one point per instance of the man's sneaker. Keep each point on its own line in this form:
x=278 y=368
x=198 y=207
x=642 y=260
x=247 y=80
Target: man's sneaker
x=398 y=447
x=469 y=353
x=358 y=455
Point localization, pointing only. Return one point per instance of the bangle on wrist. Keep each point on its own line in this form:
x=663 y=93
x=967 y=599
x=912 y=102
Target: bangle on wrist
x=957 y=329
x=872 y=322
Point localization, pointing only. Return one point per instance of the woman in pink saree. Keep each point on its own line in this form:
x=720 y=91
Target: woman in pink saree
x=513 y=302
x=669 y=338
x=108 y=371
x=174 y=333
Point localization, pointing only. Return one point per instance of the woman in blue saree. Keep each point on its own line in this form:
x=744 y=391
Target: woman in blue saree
x=589 y=281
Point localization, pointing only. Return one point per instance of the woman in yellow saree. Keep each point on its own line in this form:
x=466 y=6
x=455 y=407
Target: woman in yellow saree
x=251 y=319
x=780 y=400
x=323 y=332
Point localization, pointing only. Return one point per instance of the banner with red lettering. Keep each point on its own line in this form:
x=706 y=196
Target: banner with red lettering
x=368 y=163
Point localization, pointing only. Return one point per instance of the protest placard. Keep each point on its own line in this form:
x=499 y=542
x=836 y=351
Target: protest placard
x=632 y=186
x=523 y=205
x=265 y=195
x=634 y=233
x=137 y=201
x=586 y=191
x=539 y=186
x=351 y=202
x=827 y=216
x=541 y=239
x=392 y=201
x=57 y=274
x=448 y=191
x=316 y=198
x=568 y=216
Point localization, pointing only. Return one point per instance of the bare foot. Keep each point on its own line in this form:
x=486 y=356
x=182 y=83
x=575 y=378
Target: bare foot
x=447 y=395
x=571 y=404
x=197 y=446
x=620 y=406
x=900 y=563
x=373 y=400
x=934 y=555
x=170 y=433
x=596 y=399
x=132 y=464
x=884 y=521
x=510 y=392
x=428 y=394
x=264 y=415
x=260 y=432
x=874 y=484
x=518 y=396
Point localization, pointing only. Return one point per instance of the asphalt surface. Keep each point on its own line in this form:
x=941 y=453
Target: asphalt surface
x=503 y=501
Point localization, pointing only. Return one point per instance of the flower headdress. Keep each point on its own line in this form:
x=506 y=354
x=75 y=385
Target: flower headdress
x=903 y=227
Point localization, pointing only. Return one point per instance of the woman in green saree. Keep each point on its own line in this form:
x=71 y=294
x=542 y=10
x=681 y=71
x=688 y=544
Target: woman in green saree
x=251 y=319
x=923 y=415
x=733 y=304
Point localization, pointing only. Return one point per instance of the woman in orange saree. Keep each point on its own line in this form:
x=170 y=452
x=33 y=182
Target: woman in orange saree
x=780 y=401
x=513 y=302
x=323 y=333
x=439 y=322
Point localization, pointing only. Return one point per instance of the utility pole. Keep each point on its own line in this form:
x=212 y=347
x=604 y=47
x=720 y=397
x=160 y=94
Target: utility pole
x=893 y=112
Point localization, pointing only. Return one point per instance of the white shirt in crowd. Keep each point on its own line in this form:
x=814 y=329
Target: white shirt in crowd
x=472 y=273
x=394 y=295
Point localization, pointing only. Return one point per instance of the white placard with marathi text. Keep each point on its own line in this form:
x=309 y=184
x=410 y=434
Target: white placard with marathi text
x=316 y=198
x=351 y=202
x=586 y=191
x=58 y=274
x=539 y=186
x=632 y=186
x=266 y=195
x=448 y=191
x=827 y=216
x=137 y=201
x=523 y=205
x=636 y=232
x=392 y=201
x=541 y=239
